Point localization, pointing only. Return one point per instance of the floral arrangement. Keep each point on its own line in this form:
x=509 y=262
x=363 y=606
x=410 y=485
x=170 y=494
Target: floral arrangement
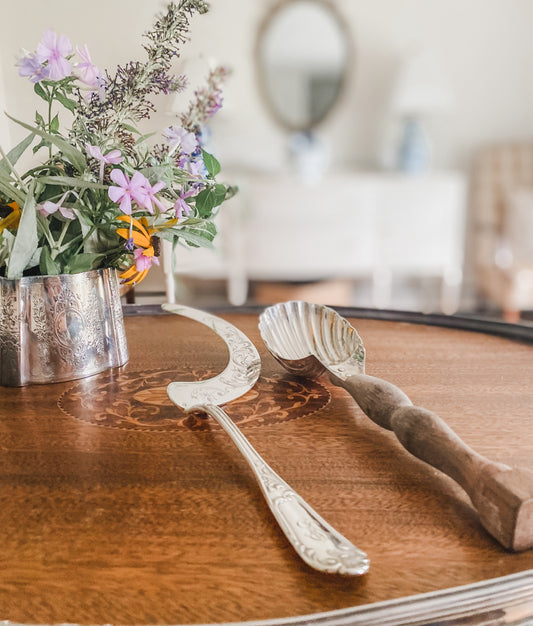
x=102 y=197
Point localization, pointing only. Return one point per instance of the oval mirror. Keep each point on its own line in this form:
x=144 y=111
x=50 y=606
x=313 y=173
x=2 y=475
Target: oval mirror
x=302 y=59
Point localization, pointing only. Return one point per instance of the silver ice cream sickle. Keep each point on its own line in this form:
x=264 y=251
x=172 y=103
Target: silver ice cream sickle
x=315 y=541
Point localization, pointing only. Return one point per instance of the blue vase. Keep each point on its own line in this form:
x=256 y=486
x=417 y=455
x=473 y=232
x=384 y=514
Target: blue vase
x=414 y=154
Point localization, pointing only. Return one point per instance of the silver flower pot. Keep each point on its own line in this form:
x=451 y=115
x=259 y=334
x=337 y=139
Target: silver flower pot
x=57 y=328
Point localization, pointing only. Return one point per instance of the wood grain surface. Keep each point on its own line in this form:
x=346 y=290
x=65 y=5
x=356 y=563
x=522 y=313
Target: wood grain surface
x=117 y=508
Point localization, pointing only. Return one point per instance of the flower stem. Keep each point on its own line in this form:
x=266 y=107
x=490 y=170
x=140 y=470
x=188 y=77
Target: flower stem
x=50 y=120
x=13 y=170
x=82 y=244
x=58 y=243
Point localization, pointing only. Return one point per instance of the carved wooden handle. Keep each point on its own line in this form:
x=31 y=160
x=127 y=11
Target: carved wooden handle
x=503 y=496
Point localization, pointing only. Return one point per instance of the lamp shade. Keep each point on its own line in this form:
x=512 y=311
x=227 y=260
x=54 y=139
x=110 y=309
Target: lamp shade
x=420 y=87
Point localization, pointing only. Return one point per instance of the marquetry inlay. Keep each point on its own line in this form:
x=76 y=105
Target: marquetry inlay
x=139 y=401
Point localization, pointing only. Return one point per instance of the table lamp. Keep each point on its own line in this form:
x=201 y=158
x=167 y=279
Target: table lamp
x=419 y=91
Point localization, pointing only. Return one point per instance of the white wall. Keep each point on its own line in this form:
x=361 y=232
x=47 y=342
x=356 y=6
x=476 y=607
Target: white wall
x=484 y=48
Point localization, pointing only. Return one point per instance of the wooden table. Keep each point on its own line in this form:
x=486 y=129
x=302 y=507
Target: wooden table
x=116 y=507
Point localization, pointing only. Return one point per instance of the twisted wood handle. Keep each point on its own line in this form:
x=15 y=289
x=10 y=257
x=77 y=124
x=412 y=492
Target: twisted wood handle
x=502 y=496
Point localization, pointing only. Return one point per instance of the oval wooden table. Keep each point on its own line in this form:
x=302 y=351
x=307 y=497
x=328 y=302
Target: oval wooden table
x=118 y=508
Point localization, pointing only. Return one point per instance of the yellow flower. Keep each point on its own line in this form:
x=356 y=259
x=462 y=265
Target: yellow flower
x=12 y=220
x=140 y=235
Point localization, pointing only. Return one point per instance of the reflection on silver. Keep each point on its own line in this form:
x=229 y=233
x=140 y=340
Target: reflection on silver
x=306 y=338
x=316 y=542
x=57 y=328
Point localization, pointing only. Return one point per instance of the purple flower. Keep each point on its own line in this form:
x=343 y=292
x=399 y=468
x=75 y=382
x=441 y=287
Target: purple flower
x=197 y=168
x=144 y=261
x=215 y=104
x=128 y=190
x=194 y=165
x=182 y=161
x=31 y=67
x=100 y=88
x=51 y=207
x=180 y=206
x=112 y=157
x=177 y=136
x=54 y=48
x=87 y=71
x=151 y=197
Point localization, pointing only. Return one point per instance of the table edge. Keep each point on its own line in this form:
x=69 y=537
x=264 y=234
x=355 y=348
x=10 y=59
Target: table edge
x=507 y=600
x=521 y=332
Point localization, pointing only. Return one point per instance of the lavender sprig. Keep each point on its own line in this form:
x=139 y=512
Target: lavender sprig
x=208 y=100
x=168 y=33
x=125 y=97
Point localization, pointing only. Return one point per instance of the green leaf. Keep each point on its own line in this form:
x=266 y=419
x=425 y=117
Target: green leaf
x=200 y=236
x=71 y=182
x=8 y=191
x=41 y=92
x=188 y=221
x=211 y=228
x=231 y=191
x=84 y=262
x=70 y=152
x=47 y=265
x=54 y=124
x=6 y=243
x=35 y=258
x=143 y=138
x=26 y=239
x=15 y=153
x=210 y=198
x=130 y=129
x=42 y=144
x=211 y=164
x=68 y=103
x=195 y=240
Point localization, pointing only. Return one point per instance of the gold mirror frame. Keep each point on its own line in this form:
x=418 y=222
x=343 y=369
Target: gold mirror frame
x=262 y=82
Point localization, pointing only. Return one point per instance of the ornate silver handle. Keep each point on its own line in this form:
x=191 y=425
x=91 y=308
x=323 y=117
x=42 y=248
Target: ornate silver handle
x=316 y=542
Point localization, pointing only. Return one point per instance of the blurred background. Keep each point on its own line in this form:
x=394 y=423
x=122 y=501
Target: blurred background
x=383 y=149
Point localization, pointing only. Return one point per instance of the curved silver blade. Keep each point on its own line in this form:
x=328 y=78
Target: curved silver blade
x=239 y=376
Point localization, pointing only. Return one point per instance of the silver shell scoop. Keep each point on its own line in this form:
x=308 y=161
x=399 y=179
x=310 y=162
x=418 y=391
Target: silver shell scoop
x=308 y=339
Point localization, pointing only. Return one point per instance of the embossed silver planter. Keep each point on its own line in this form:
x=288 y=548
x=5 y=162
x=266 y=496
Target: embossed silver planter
x=57 y=328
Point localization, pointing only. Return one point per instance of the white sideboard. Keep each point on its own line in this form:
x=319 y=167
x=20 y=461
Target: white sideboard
x=348 y=225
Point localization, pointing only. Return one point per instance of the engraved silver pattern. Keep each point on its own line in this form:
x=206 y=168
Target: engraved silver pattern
x=57 y=328
x=315 y=541
x=239 y=376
